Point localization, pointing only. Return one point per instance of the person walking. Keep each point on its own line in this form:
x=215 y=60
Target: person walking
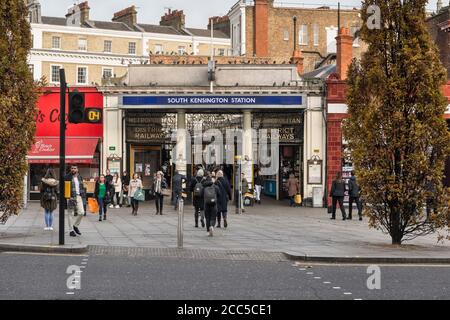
x=196 y=187
x=76 y=202
x=293 y=188
x=211 y=194
x=177 y=187
x=258 y=187
x=354 y=196
x=108 y=176
x=337 y=193
x=49 y=199
x=103 y=195
x=159 y=184
x=117 y=183
x=135 y=184
x=240 y=194
x=125 y=185
x=224 y=197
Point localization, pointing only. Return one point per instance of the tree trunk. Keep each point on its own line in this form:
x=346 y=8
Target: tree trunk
x=395 y=232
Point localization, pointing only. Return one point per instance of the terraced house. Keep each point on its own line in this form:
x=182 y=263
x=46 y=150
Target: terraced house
x=92 y=51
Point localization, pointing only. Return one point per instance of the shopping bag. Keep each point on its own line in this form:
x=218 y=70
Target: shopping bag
x=139 y=195
x=298 y=199
x=166 y=192
x=93 y=205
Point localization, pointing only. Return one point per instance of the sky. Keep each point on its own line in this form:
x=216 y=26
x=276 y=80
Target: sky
x=197 y=11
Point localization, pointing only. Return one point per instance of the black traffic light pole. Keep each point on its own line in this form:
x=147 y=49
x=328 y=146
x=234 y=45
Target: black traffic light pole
x=62 y=152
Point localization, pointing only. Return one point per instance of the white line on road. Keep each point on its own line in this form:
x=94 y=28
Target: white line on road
x=70 y=293
x=337 y=288
x=326 y=282
x=318 y=278
x=347 y=293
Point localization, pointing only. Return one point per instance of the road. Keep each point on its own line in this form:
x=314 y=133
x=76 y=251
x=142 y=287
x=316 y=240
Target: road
x=43 y=276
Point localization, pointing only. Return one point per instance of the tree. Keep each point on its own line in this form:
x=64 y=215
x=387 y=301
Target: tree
x=18 y=94
x=396 y=129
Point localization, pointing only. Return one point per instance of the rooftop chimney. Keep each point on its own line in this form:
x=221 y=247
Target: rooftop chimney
x=127 y=16
x=78 y=14
x=34 y=10
x=344 y=43
x=261 y=20
x=175 y=19
x=220 y=23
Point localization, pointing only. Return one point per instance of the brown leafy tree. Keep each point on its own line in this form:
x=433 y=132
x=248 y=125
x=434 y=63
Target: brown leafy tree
x=396 y=130
x=17 y=104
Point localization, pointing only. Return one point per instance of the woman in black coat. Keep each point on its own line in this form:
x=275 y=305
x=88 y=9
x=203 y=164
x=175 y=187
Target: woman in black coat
x=224 y=197
x=49 y=197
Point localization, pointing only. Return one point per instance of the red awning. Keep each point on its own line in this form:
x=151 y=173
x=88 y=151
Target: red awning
x=78 y=150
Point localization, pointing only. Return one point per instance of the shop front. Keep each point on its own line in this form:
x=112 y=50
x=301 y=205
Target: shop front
x=83 y=141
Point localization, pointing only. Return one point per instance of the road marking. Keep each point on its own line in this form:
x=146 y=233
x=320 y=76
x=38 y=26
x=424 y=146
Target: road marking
x=302 y=269
x=347 y=293
x=326 y=282
x=359 y=299
x=70 y=293
x=318 y=278
x=43 y=254
x=310 y=273
x=337 y=288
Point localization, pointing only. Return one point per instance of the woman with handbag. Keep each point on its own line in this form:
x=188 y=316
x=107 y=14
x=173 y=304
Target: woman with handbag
x=49 y=197
x=293 y=188
x=133 y=190
x=159 y=190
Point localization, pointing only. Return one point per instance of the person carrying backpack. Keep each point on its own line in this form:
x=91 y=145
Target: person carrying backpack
x=49 y=198
x=196 y=187
x=211 y=193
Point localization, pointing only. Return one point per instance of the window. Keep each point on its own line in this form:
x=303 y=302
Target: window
x=159 y=49
x=81 y=75
x=107 y=46
x=54 y=75
x=132 y=48
x=56 y=43
x=354 y=31
x=107 y=73
x=221 y=52
x=181 y=50
x=316 y=35
x=303 y=35
x=286 y=35
x=31 y=67
x=82 y=44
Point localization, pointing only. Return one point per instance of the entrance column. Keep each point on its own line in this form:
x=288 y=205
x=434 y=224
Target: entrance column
x=247 y=147
x=181 y=150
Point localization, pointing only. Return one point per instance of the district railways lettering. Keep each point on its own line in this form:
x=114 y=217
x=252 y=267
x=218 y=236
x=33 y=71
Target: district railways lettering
x=212 y=100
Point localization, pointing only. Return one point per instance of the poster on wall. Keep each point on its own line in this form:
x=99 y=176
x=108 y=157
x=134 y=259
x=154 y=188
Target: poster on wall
x=147 y=170
x=315 y=172
x=139 y=167
x=114 y=165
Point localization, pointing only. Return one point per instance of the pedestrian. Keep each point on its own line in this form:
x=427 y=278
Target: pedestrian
x=213 y=176
x=76 y=201
x=125 y=185
x=103 y=195
x=117 y=183
x=196 y=187
x=354 y=193
x=211 y=194
x=49 y=198
x=293 y=189
x=430 y=187
x=337 y=193
x=177 y=187
x=135 y=184
x=258 y=186
x=159 y=184
x=224 y=197
x=240 y=194
x=108 y=176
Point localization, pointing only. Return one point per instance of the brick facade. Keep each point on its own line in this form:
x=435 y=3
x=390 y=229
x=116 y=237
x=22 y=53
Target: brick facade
x=441 y=36
x=280 y=31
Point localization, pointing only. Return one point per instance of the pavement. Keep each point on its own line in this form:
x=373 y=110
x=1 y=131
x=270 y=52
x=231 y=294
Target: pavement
x=153 y=277
x=301 y=233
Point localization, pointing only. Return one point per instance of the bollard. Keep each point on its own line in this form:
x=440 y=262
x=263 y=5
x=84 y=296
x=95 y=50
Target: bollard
x=180 y=223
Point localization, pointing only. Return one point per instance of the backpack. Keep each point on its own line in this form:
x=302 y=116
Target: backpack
x=210 y=195
x=198 y=189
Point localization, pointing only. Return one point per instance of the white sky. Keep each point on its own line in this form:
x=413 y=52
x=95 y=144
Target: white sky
x=197 y=11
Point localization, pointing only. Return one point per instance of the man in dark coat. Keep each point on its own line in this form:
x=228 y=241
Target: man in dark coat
x=224 y=197
x=354 y=194
x=177 y=187
x=210 y=208
x=337 y=193
x=125 y=185
x=198 y=199
x=76 y=202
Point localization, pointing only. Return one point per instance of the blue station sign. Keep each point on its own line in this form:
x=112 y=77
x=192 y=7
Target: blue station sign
x=287 y=100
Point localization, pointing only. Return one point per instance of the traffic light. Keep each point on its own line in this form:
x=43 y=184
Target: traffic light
x=76 y=107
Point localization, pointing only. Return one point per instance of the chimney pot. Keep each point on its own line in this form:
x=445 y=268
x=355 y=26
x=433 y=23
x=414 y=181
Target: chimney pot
x=344 y=43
